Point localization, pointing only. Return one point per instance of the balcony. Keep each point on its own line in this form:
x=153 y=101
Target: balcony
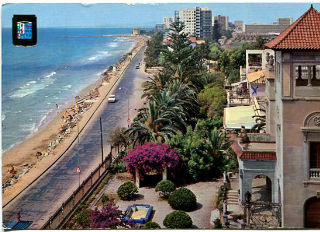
x=314 y=173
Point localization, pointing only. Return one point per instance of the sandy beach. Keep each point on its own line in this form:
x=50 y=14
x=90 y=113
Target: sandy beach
x=27 y=164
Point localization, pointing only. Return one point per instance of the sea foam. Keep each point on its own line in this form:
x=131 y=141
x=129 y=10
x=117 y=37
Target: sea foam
x=33 y=86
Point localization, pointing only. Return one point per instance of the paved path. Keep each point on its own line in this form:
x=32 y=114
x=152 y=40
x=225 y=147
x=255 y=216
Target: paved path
x=205 y=192
x=45 y=196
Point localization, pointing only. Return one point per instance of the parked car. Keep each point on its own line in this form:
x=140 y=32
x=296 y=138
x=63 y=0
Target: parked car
x=112 y=98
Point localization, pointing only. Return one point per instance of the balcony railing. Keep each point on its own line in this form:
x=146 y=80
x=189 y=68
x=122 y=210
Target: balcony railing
x=314 y=173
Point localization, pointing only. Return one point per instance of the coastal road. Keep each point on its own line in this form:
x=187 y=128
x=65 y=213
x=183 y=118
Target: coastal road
x=40 y=200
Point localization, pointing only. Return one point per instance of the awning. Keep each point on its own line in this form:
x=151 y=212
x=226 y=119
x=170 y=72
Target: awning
x=235 y=117
x=238 y=83
x=256 y=76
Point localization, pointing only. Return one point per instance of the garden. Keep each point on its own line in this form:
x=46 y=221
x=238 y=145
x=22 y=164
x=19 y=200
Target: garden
x=175 y=150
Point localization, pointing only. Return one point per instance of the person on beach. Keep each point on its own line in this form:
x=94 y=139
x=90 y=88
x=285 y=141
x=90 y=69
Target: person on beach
x=11 y=171
x=38 y=155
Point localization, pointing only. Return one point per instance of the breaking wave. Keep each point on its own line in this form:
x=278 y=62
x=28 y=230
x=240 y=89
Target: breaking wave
x=33 y=86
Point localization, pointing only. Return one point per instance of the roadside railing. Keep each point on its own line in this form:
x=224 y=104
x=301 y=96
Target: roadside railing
x=80 y=194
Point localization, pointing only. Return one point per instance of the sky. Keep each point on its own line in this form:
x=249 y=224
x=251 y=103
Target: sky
x=123 y=15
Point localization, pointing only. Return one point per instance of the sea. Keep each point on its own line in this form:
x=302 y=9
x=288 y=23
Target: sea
x=35 y=79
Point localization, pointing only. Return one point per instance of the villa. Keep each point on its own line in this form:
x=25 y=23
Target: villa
x=287 y=151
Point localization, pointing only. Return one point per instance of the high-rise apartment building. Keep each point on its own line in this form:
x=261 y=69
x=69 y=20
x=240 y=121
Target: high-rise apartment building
x=198 y=21
x=167 y=21
x=187 y=16
x=223 y=21
x=203 y=22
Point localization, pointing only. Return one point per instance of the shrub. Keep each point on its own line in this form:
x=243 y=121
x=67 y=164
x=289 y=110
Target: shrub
x=127 y=190
x=104 y=198
x=108 y=217
x=165 y=187
x=177 y=220
x=217 y=224
x=183 y=199
x=222 y=195
x=152 y=225
x=83 y=218
x=119 y=167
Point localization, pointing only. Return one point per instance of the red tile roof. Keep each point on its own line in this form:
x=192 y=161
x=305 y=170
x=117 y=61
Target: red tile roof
x=250 y=155
x=259 y=155
x=193 y=39
x=302 y=34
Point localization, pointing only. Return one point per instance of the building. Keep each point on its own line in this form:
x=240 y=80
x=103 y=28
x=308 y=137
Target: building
x=167 y=21
x=285 y=156
x=297 y=121
x=187 y=16
x=160 y=27
x=203 y=23
x=198 y=21
x=260 y=28
x=223 y=22
x=136 y=31
x=239 y=26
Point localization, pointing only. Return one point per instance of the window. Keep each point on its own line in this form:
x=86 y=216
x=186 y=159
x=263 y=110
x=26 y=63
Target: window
x=307 y=75
x=314 y=171
x=315 y=155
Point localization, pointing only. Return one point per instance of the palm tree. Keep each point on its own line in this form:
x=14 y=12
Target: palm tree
x=153 y=124
x=186 y=97
x=218 y=141
x=155 y=84
x=118 y=138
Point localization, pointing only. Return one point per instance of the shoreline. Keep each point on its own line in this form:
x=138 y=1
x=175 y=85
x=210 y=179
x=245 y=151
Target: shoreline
x=27 y=164
x=52 y=113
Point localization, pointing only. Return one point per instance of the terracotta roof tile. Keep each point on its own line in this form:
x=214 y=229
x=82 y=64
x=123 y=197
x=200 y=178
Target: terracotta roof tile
x=249 y=155
x=304 y=33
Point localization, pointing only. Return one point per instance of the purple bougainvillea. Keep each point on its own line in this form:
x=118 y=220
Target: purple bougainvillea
x=108 y=217
x=151 y=157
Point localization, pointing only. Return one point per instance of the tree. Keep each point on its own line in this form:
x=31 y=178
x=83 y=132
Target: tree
x=154 y=49
x=201 y=150
x=228 y=34
x=216 y=78
x=216 y=34
x=183 y=62
x=203 y=50
x=215 y=51
x=151 y=157
x=108 y=217
x=119 y=138
x=212 y=100
x=156 y=123
x=169 y=110
x=259 y=43
x=155 y=84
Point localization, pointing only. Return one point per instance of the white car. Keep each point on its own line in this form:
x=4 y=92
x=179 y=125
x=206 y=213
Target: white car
x=112 y=98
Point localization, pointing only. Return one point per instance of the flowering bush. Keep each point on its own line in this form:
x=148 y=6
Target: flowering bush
x=108 y=217
x=151 y=157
